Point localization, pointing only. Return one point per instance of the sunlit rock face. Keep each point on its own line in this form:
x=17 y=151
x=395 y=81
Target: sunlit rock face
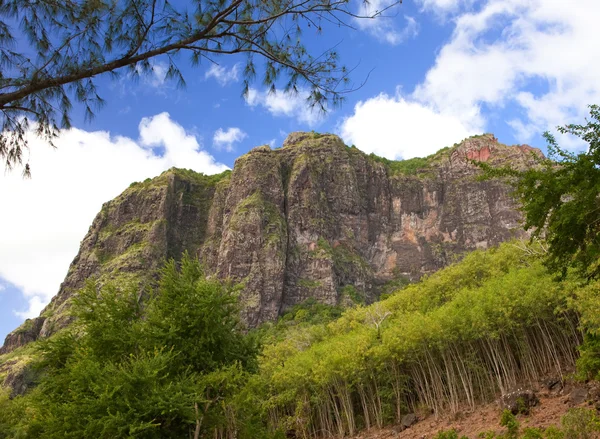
x=312 y=219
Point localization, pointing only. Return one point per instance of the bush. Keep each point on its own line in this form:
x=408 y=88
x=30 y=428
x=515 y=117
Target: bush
x=580 y=423
x=448 y=434
x=509 y=421
x=532 y=433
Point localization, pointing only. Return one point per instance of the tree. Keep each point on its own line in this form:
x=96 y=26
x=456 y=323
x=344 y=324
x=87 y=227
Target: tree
x=51 y=50
x=172 y=366
x=560 y=199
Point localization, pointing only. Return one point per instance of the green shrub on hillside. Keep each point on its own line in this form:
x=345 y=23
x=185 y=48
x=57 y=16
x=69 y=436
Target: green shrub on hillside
x=448 y=434
x=166 y=369
x=458 y=337
x=580 y=423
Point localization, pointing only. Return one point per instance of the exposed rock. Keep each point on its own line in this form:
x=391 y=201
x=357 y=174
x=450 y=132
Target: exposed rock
x=554 y=384
x=312 y=219
x=578 y=395
x=408 y=420
x=26 y=333
x=296 y=138
x=19 y=380
x=519 y=401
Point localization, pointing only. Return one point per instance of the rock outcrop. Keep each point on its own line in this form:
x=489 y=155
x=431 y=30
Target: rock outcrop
x=313 y=219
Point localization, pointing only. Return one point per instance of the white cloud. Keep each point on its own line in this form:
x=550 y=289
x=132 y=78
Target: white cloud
x=540 y=55
x=226 y=139
x=222 y=75
x=396 y=128
x=51 y=213
x=384 y=24
x=156 y=77
x=443 y=7
x=36 y=305
x=281 y=103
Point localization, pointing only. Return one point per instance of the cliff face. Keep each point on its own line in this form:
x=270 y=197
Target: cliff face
x=312 y=219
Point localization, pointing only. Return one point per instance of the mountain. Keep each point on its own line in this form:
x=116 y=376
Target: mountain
x=312 y=219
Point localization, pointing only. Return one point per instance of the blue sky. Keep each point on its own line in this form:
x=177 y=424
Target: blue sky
x=438 y=71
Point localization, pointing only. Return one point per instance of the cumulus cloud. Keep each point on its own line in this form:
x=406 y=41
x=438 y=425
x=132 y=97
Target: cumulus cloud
x=223 y=75
x=540 y=55
x=443 y=7
x=50 y=213
x=281 y=103
x=36 y=305
x=156 y=77
x=384 y=24
x=225 y=139
x=396 y=128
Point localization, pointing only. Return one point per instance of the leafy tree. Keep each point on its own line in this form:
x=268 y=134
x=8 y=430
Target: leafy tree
x=560 y=199
x=456 y=338
x=174 y=368
x=52 y=50
x=197 y=318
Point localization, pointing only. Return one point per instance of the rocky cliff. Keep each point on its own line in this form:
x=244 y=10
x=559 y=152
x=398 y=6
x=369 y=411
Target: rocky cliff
x=313 y=219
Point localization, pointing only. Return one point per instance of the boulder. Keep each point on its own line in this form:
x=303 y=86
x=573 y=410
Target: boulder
x=519 y=401
x=408 y=420
x=578 y=395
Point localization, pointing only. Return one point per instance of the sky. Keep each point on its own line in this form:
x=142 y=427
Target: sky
x=427 y=74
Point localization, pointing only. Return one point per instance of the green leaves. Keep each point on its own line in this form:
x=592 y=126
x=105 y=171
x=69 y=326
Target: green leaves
x=457 y=337
x=154 y=368
x=560 y=200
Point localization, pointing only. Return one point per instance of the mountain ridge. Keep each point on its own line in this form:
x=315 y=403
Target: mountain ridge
x=314 y=218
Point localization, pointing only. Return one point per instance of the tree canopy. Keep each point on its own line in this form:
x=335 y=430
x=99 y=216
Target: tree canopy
x=560 y=199
x=53 y=51
x=166 y=366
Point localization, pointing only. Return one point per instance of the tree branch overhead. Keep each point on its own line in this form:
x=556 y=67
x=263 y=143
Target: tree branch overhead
x=71 y=43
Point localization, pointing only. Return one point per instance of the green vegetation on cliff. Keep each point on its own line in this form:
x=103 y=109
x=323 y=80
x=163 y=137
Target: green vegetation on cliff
x=459 y=337
x=414 y=166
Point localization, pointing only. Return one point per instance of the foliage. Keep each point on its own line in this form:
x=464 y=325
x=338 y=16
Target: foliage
x=587 y=305
x=559 y=199
x=509 y=421
x=300 y=317
x=159 y=363
x=553 y=432
x=196 y=318
x=164 y=370
x=456 y=338
x=588 y=363
x=53 y=51
x=580 y=423
x=412 y=166
x=448 y=434
x=532 y=433
x=403 y=167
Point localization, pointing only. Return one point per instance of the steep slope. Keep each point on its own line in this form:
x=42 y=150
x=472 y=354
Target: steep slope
x=314 y=218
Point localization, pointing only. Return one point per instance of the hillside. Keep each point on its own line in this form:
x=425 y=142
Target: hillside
x=313 y=219
x=437 y=353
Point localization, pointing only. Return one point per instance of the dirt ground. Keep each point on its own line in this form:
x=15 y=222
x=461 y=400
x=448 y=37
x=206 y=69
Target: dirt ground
x=552 y=406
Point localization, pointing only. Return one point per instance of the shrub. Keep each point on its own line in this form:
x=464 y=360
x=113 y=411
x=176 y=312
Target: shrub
x=580 y=423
